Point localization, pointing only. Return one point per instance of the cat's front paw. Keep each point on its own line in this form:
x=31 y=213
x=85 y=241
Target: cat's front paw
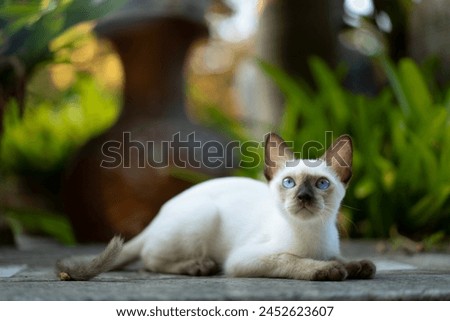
x=364 y=269
x=332 y=271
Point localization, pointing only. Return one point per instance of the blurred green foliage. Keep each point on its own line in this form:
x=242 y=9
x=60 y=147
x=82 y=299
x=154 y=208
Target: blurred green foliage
x=402 y=144
x=28 y=26
x=43 y=139
x=32 y=220
x=40 y=131
x=401 y=136
x=38 y=146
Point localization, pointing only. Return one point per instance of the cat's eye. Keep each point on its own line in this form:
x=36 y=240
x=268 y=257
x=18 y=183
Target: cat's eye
x=322 y=183
x=288 y=182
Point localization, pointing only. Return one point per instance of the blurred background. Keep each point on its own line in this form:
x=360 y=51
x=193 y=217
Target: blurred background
x=77 y=74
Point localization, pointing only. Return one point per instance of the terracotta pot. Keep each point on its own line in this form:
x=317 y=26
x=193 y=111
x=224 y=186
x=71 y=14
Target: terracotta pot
x=122 y=199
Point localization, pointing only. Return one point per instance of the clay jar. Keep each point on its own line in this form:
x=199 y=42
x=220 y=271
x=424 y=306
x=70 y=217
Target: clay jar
x=111 y=186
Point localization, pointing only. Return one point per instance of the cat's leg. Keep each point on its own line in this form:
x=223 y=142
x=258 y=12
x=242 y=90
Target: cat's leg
x=251 y=263
x=195 y=266
x=180 y=241
x=362 y=269
x=171 y=255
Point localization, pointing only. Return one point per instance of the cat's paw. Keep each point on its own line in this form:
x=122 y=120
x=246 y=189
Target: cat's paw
x=364 y=269
x=203 y=267
x=332 y=271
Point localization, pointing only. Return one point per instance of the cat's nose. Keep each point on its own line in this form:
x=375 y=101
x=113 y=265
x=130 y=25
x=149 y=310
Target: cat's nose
x=305 y=194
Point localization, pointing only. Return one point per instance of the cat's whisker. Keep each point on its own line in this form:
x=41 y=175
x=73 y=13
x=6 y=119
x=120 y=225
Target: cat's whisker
x=349 y=220
x=351 y=207
x=322 y=219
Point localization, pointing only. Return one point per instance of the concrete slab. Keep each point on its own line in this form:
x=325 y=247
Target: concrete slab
x=7 y=271
x=400 y=277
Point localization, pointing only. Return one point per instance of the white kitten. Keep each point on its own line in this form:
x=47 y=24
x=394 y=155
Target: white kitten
x=247 y=228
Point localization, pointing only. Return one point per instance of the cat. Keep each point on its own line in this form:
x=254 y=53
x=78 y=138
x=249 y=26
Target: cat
x=286 y=228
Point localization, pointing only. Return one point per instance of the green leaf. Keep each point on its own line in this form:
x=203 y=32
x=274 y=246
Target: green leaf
x=329 y=86
x=30 y=34
x=415 y=89
x=33 y=220
x=396 y=84
x=365 y=187
x=15 y=11
x=288 y=86
x=429 y=208
x=296 y=97
x=85 y=10
x=11 y=116
x=430 y=242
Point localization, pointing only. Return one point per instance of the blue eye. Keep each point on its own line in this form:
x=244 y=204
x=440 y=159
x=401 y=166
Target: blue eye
x=288 y=182
x=322 y=183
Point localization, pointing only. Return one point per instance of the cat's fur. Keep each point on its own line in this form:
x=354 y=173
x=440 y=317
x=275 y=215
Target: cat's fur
x=246 y=228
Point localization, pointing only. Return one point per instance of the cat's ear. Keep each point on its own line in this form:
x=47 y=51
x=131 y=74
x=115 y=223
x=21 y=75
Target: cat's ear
x=339 y=156
x=277 y=153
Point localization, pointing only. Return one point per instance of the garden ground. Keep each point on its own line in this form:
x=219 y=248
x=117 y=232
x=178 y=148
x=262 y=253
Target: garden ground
x=27 y=274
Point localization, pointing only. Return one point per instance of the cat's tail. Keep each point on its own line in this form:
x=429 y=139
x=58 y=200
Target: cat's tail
x=116 y=254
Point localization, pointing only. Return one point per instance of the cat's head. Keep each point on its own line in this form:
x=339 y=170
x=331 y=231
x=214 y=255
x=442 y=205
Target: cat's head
x=308 y=189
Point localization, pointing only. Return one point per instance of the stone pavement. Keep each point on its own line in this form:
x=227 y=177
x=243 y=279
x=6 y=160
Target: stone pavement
x=27 y=274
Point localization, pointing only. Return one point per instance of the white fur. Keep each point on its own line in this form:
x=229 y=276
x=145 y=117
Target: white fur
x=240 y=225
x=245 y=227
